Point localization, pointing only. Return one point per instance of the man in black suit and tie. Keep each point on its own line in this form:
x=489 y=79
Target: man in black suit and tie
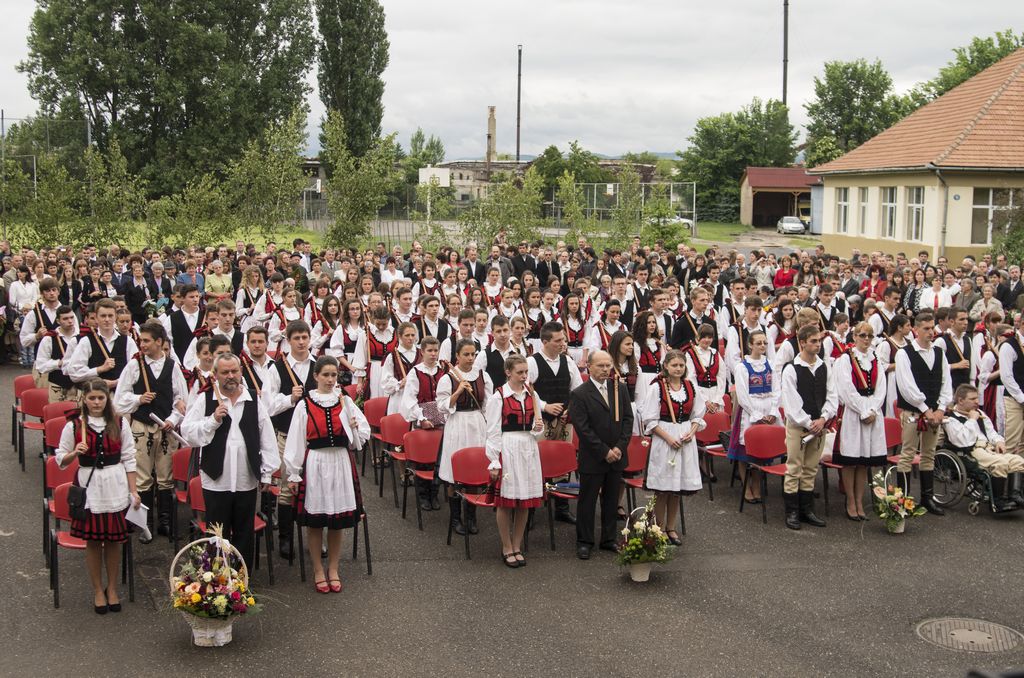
x=1010 y=289
x=475 y=267
x=600 y=412
x=523 y=261
x=547 y=267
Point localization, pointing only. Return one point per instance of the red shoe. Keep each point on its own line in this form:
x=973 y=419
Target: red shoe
x=335 y=586
x=322 y=587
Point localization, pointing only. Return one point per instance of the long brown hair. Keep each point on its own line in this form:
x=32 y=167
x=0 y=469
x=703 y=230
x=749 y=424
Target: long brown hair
x=113 y=427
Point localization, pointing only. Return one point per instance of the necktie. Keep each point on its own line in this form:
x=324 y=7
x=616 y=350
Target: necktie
x=604 y=392
x=936 y=302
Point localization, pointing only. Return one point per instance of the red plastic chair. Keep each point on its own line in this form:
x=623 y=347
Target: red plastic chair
x=32 y=403
x=393 y=428
x=421 y=446
x=709 y=442
x=765 y=443
x=198 y=504
x=374 y=410
x=894 y=440
x=557 y=460
x=472 y=480
x=53 y=476
x=636 y=466
x=352 y=391
x=59 y=409
x=62 y=539
x=180 y=460
x=22 y=383
x=52 y=430
x=727 y=404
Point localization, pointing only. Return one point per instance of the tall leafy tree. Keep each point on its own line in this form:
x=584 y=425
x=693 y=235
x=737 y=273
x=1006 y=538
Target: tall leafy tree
x=184 y=86
x=113 y=195
x=53 y=215
x=357 y=187
x=513 y=204
x=722 y=146
x=967 y=62
x=853 y=101
x=423 y=151
x=352 y=54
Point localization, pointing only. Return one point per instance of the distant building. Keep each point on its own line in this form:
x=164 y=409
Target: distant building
x=939 y=179
x=769 y=193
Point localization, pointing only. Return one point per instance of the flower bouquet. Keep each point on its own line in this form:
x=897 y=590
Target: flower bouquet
x=893 y=506
x=643 y=543
x=210 y=588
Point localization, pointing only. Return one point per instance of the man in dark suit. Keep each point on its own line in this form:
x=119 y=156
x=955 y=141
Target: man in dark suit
x=1011 y=288
x=600 y=412
x=547 y=267
x=523 y=261
x=475 y=267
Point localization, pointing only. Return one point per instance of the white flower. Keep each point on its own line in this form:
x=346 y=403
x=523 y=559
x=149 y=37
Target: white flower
x=639 y=525
x=207 y=577
x=655 y=529
x=625 y=532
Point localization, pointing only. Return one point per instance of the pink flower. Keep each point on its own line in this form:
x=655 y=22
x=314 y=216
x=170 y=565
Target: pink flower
x=235 y=595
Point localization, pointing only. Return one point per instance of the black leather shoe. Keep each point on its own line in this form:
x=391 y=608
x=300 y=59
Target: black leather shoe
x=114 y=607
x=792 y=510
x=806 y=513
x=583 y=552
x=929 y=504
x=565 y=517
x=472 y=526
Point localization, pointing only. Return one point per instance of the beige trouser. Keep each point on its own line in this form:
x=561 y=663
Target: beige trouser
x=282 y=482
x=916 y=442
x=801 y=460
x=998 y=465
x=1014 y=425
x=153 y=450
x=40 y=380
x=60 y=394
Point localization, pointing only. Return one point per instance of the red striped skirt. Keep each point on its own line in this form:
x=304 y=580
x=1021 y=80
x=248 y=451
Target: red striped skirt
x=110 y=527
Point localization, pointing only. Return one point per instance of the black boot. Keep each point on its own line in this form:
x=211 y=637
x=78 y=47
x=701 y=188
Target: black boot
x=423 y=495
x=455 y=506
x=435 y=501
x=927 y=493
x=903 y=482
x=165 y=504
x=471 y=519
x=792 y=500
x=148 y=500
x=1013 y=485
x=562 y=512
x=1000 y=502
x=806 y=504
x=285 y=527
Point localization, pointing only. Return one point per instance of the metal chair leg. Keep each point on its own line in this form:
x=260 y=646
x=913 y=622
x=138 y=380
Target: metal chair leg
x=764 y=498
x=743 y=490
x=465 y=509
x=270 y=558
x=682 y=516
x=302 y=555
x=394 y=481
x=366 y=544
x=824 y=483
x=551 y=521
x=130 y=549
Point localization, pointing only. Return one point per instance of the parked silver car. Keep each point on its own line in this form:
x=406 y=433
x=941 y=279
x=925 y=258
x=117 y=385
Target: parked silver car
x=790 y=225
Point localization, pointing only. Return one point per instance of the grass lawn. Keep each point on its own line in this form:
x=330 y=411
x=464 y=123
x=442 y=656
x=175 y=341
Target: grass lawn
x=713 y=231
x=803 y=243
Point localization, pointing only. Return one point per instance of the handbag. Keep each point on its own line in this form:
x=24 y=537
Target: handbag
x=434 y=414
x=76 y=499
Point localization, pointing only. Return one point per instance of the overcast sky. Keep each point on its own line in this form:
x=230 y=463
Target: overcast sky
x=618 y=76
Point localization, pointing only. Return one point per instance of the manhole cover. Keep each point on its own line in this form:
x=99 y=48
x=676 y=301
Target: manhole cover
x=973 y=635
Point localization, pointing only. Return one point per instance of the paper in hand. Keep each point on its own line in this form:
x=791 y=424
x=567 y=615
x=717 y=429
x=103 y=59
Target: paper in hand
x=137 y=517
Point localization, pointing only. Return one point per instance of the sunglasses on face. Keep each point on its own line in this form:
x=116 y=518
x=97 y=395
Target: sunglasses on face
x=865 y=335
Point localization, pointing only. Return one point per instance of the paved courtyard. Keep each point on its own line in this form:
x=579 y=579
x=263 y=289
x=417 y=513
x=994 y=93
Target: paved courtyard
x=742 y=598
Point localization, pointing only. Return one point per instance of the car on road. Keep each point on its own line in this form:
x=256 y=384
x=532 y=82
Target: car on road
x=677 y=220
x=790 y=225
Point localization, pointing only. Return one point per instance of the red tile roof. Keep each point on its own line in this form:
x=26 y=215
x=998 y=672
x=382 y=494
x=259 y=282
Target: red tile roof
x=762 y=178
x=978 y=124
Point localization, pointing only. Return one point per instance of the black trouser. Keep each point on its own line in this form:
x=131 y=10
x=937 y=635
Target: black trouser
x=607 y=485
x=236 y=511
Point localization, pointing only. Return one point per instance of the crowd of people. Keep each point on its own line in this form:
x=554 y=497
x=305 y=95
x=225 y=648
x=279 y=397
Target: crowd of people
x=245 y=354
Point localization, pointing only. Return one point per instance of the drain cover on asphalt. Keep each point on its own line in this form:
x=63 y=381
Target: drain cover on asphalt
x=973 y=635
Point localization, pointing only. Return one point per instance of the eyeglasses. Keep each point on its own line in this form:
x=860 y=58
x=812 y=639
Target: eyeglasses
x=865 y=335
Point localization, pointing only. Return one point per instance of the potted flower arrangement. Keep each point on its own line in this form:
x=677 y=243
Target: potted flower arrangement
x=894 y=507
x=210 y=588
x=643 y=542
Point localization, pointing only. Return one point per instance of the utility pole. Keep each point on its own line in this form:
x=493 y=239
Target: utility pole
x=519 y=99
x=3 y=173
x=785 y=48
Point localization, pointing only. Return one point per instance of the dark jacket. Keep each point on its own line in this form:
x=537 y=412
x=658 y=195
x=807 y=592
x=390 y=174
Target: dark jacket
x=596 y=429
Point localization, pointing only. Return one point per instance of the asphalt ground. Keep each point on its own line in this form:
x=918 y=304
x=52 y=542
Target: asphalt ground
x=741 y=598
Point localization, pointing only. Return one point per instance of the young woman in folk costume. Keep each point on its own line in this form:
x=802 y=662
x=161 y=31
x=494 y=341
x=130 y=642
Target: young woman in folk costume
x=287 y=312
x=328 y=319
x=549 y=308
x=783 y=323
x=250 y=290
x=477 y=300
x=990 y=384
x=398 y=364
x=599 y=335
x=492 y=287
x=534 y=316
x=421 y=389
x=506 y=306
x=319 y=457
x=649 y=348
x=366 y=288
x=270 y=300
x=757 y=402
x=462 y=281
x=575 y=329
x=347 y=342
x=834 y=342
x=704 y=368
x=514 y=425
x=379 y=339
x=886 y=349
x=105 y=449
x=320 y=291
x=428 y=284
x=673 y=412
x=463 y=394
x=860 y=386
x=625 y=370
x=518 y=341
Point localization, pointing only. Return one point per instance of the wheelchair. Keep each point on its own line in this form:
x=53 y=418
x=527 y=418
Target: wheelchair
x=957 y=475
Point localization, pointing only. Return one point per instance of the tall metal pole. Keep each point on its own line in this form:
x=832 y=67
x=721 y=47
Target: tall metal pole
x=785 y=48
x=519 y=99
x=3 y=172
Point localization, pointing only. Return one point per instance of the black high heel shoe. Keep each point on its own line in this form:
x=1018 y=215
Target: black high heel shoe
x=102 y=609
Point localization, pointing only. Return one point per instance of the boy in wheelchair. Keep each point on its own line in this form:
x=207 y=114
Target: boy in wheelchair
x=970 y=433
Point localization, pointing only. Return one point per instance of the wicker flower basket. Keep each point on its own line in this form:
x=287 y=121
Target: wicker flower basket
x=207 y=631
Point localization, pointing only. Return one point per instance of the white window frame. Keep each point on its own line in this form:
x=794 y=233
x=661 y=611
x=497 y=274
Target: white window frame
x=842 y=210
x=887 y=226
x=915 y=213
x=990 y=205
x=862 y=198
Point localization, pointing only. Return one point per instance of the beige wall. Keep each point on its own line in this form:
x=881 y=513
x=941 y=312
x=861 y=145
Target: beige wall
x=869 y=234
x=746 y=203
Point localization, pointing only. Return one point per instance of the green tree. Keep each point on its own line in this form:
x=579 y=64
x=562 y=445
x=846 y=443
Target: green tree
x=423 y=152
x=513 y=205
x=184 y=86
x=569 y=198
x=16 y=192
x=265 y=182
x=53 y=215
x=357 y=187
x=352 y=54
x=550 y=166
x=852 y=102
x=722 y=146
x=114 y=196
x=585 y=165
x=200 y=212
x=966 y=63
x=1009 y=238
x=435 y=204
x=627 y=217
